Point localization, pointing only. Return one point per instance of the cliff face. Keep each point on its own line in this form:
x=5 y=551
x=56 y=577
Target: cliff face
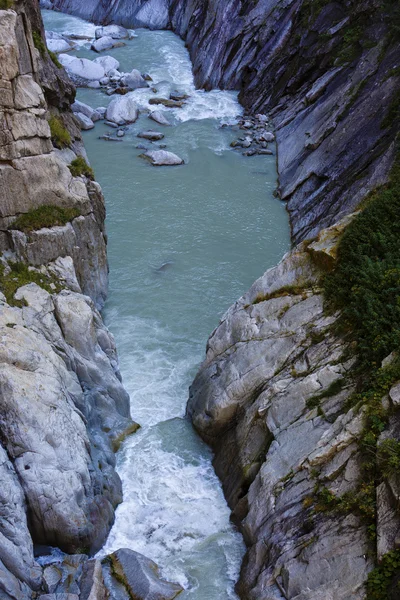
x=325 y=71
x=64 y=410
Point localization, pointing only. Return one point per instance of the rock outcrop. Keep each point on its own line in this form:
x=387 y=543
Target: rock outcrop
x=270 y=399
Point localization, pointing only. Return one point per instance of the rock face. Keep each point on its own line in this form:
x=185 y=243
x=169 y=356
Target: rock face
x=133 y=13
x=64 y=411
x=270 y=399
x=318 y=69
x=325 y=71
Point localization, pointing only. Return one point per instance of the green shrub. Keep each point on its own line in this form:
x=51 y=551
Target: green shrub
x=6 y=4
x=365 y=284
x=39 y=42
x=80 y=167
x=44 y=216
x=20 y=275
x=382 y=578
x=389 y=458
x=59 y=134
x=54 y=58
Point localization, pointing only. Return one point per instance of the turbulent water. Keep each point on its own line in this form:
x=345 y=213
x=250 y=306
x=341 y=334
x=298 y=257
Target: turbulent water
x=216 y=227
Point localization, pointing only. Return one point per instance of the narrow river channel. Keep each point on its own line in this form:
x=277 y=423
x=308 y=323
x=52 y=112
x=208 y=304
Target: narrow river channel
x=216 y=227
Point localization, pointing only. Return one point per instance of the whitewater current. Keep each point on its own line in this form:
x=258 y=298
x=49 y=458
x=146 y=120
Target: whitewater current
x=216 y=226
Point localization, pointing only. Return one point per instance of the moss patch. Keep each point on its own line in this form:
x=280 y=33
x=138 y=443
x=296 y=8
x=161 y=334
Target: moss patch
x=54 y=58
x=39 y=42
x=44 y=216
x=80 y=167
x=20 y=275
x=59 y=134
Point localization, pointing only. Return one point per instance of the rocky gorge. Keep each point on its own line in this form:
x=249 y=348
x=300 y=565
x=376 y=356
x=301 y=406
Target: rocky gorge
x=280 y=396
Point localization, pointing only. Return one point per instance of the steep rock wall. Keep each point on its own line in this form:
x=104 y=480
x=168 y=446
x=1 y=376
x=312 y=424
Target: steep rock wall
x=326 y=72
x=64 y=410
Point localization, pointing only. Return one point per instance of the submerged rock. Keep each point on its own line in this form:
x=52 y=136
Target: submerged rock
x=151 y=135
x=159 y=158
x=166 y=102
x=158 y=117
x=122 y=110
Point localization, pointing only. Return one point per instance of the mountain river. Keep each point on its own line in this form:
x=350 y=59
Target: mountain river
x=215 y=226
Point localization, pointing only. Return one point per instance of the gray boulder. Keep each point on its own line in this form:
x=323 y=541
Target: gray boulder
x=81 y=107
x=81 y=70
x=105 y=43
x=140 y=577
x=57 y=43
x=134 y=80
x=122 y=110
x=158 y=117
x=84 y=122
x=159 y=158
x=116 y=32
x=107 y=62
x=151 y=135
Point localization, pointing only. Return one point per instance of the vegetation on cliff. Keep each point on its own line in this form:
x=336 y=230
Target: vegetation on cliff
x=44 y=216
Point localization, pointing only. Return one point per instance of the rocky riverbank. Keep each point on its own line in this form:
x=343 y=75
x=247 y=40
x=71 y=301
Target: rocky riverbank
x=64 y=409
x=275 y=396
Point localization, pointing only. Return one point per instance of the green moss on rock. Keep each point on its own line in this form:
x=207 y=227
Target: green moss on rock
x=80 y=167
x=44 y=216
x=59 y=134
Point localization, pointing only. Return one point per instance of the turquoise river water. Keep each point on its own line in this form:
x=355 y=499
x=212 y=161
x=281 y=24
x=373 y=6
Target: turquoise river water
x=216 y=221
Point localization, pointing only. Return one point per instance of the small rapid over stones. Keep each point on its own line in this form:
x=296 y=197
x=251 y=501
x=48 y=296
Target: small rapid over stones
x=184 y=242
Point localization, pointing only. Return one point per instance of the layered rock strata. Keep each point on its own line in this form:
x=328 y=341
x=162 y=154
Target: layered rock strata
x=325 y=71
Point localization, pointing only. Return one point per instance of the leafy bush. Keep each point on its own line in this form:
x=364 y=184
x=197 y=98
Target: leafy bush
x=54 y=58
x=380 y=580
x=389 y=457
x=6 y=4
x=20 y=275
x=44 y=216
x=365 y=284
x=39 y=42
x=80 y=167
x=59 y=134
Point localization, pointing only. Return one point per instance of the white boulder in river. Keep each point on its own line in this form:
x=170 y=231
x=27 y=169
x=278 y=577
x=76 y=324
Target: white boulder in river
x=105 y=43
x=160 y=158
x=81 y=70
x=113 y=31
x=107 y=62
x=158 y=117
x=122 y=110
x=57 y=43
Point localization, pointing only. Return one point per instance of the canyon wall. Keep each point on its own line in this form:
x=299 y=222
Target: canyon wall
x=64 y=410
x=325 y=71
x=275 y=394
